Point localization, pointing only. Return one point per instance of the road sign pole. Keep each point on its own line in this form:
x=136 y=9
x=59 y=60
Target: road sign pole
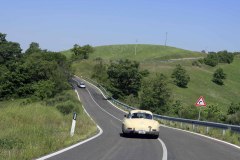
x=199 y=113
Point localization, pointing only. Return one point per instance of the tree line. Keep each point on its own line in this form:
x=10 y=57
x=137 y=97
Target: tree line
x=35 y=73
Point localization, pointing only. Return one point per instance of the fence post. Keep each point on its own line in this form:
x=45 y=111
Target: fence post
x=207 y=130
x=224 y=132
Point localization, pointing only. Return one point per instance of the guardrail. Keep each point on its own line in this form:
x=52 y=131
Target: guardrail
x=207 y=124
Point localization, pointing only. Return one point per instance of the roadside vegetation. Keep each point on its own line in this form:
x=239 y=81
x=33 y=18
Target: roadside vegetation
x=37 y=102
x=186 y=79
x=31 y=130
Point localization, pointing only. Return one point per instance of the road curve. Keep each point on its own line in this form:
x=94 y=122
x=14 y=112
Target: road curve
x=110 y=145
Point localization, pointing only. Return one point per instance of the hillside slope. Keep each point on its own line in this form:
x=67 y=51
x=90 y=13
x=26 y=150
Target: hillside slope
x=154 y=58
x=139 y=52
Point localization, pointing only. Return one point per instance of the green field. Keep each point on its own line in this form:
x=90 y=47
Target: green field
x=151 y=57
x=31 y=130
x=143 y=52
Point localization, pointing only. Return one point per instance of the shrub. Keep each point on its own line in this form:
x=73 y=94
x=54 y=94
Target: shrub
x=225 y=57
x=211 y=59
x=233 y=108
x=181 y=78
x=10 y=143
x=218 y=76
x=234 y=118
x=67 y=108
x=201 y=60
x=196 y=63
x=44 y=89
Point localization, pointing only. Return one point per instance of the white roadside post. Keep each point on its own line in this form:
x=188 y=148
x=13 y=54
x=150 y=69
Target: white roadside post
x=73 y=124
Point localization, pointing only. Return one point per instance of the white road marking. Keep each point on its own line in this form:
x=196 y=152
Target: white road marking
x=102 y=108
x=162 y=143
x=164 y=149
x=75 y=145
x=218 y=140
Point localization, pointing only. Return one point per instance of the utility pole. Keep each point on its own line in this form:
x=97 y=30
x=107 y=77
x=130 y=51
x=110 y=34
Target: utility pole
x=136 y=47
x=166 y=39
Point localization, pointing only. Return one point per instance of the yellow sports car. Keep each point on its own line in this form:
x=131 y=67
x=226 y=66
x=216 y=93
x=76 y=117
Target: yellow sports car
x=140 y=122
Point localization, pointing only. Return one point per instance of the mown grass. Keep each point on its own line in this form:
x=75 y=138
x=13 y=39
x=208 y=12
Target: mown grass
x=32 y=130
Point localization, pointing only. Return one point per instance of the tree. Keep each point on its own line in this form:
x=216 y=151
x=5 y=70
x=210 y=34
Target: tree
x=225 y=57
x=218 y=76
x=33 y=48
x=156 y=94
x=211 y=59
x=82 y=52
x=180 y=76
x=213 y=113
x=125 y=78
x=2 y=37
x=8 y=50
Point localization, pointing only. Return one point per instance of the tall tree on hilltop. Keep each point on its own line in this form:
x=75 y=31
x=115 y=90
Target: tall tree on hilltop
x=33 y=48
x=82 y=52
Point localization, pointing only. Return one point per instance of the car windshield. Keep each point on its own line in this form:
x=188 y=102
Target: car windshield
x=141 y=115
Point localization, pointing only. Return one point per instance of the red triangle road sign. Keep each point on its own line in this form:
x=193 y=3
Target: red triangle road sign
x=200 y=102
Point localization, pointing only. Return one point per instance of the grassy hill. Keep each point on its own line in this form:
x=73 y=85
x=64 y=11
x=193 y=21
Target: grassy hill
x=153 y=58
x=144 y=52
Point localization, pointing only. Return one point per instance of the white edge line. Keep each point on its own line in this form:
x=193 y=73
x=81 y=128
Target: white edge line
x=164 y=149
x=78 y=144
x=162 y=143
x=102 y=108
x=215 y=139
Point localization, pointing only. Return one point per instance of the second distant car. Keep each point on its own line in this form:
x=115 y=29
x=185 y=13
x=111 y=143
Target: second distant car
x=81 y=85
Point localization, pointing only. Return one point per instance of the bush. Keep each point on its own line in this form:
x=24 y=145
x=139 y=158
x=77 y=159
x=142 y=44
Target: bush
x=181 y=78
x=67 y=108
x=189 y=112
x=213 y=113
x=10 y=143
x=211 y=59
x=218 y=76
x=225 y=57
x=196 y=63
x=44 y=89
x=233 y=108
x=234 y=118
x=201 y=60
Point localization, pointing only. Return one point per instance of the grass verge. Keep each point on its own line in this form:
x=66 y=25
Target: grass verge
x=228 y=136
x=31 y=130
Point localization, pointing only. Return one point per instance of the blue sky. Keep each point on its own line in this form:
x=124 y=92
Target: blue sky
x=57 y=25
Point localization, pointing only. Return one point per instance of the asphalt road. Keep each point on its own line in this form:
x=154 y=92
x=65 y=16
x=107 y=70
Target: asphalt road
x=110 y=145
